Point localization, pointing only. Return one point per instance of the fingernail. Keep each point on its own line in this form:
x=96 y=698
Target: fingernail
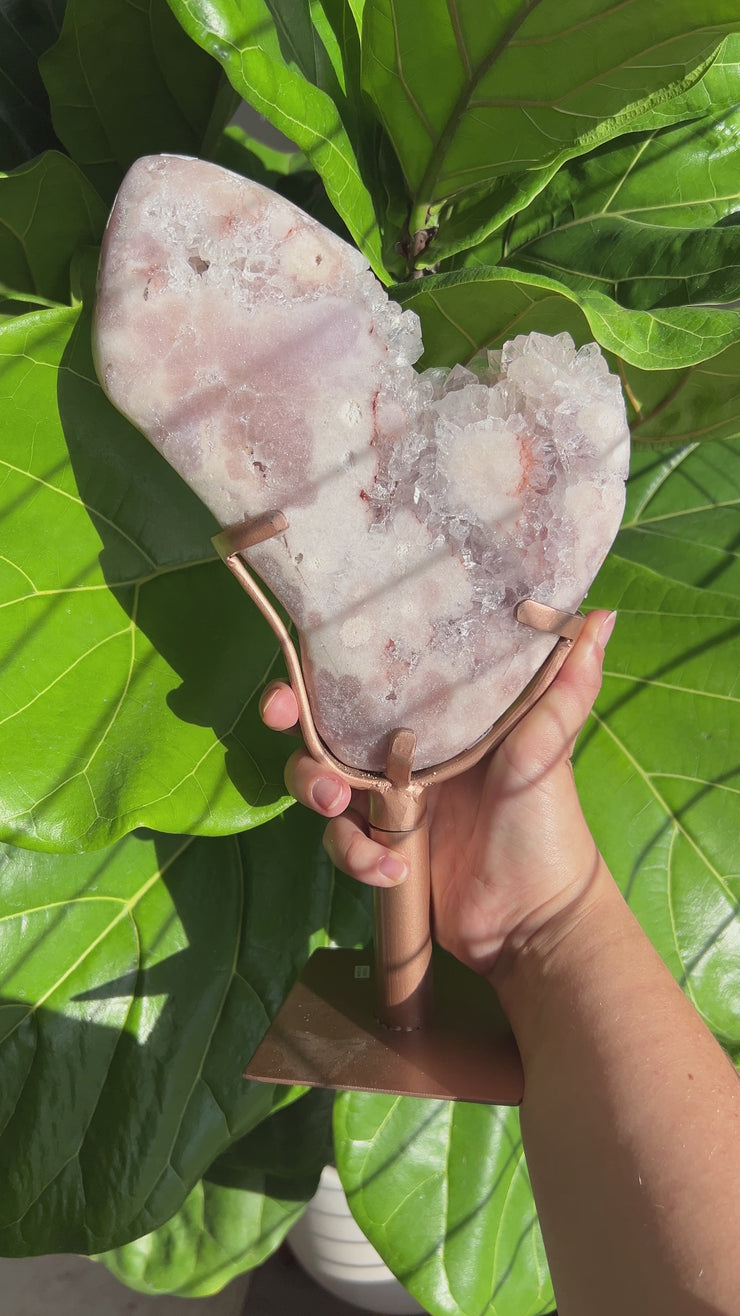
x=393 y=868
x=605 y=629
x=267 y=699
x=326 y=793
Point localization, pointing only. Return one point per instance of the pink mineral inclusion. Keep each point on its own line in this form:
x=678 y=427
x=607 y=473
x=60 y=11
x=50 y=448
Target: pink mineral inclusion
x=260 y=355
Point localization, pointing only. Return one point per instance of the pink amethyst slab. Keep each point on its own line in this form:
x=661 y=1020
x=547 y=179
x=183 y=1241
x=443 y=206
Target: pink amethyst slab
x=260 y=355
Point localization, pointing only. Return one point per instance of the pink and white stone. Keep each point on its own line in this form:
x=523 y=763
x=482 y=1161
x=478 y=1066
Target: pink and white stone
x=261 y=356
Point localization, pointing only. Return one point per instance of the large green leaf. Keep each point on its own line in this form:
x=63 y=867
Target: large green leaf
x=467 y=222
x=471 y=309
x=678 y=176
x=659 y=776
x=240 y=1211
x=293 y=70
x=124 y=81
x=664 y=747
x=443 y=1194
x=660 y=339
x=681 y=518
x=441 y=1189
x=681 y=406
x=646 y=220
x=136 y=982
x=616 y=227
x=27 y=29
x=132 y=662
x=716 y=90
x=495 y=89
x=35 y=254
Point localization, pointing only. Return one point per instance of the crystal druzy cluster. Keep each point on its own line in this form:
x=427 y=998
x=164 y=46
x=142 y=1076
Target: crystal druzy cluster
x=264 y=360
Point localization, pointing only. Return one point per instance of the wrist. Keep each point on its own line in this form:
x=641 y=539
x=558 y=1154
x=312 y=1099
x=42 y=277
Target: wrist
x=571 y=929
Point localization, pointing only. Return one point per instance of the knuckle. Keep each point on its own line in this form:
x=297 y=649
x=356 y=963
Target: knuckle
x=356 y=853
x=296 y=774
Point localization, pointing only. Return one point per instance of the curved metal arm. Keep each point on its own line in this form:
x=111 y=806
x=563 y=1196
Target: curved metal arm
x=398 y=818
x=233 y=541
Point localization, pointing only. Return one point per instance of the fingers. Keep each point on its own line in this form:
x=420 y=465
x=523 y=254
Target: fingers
x=278 y=706
x=315 y=786
x=548 y=733
x=578 y=682
x=362 y=858
x=345 y=840
x=346 y=843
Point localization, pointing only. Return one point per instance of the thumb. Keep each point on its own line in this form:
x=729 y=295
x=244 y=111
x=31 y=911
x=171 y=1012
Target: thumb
x=548 y=733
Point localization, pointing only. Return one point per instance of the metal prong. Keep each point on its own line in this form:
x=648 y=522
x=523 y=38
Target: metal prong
x=400 y=760
x=541 y=617
x=237 y=538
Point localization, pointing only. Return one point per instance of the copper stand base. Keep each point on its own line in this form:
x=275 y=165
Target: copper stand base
x=327 y=1034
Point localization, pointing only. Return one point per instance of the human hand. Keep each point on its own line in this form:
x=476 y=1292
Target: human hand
x=509 y=846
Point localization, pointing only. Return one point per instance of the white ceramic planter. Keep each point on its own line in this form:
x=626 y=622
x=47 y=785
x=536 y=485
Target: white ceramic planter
x=333 y=1250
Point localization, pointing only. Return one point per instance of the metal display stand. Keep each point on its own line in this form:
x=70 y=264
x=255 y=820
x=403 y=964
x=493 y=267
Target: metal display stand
x=412 y=1021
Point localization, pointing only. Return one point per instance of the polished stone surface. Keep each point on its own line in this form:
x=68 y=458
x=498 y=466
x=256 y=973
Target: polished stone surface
x=261 y=356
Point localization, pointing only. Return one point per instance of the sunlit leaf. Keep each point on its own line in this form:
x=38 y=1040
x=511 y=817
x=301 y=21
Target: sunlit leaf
x=240 y=1211
x=664 y=748
x=441 y=1189
x=642 y=232
x=664 y=752
x=132 y=662
x=660 y=339
x=135 y=984
x=476 y=308
x=124 y=81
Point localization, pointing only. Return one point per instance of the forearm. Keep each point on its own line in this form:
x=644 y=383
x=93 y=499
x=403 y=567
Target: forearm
x=630 y=1119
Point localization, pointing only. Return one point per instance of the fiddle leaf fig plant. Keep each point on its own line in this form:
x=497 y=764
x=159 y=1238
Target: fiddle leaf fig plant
x=552 y=166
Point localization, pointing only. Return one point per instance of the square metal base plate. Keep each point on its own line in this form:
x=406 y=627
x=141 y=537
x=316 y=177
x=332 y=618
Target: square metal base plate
x=327 y=1035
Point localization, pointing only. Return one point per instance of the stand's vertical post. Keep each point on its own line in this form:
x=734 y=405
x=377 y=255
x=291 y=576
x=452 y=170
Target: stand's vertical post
x=403 y=939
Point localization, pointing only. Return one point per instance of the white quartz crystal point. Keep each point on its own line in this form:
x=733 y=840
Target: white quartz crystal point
x=261 y=356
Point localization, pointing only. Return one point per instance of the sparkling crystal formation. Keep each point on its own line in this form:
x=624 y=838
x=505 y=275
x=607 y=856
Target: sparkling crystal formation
x=263 y=359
